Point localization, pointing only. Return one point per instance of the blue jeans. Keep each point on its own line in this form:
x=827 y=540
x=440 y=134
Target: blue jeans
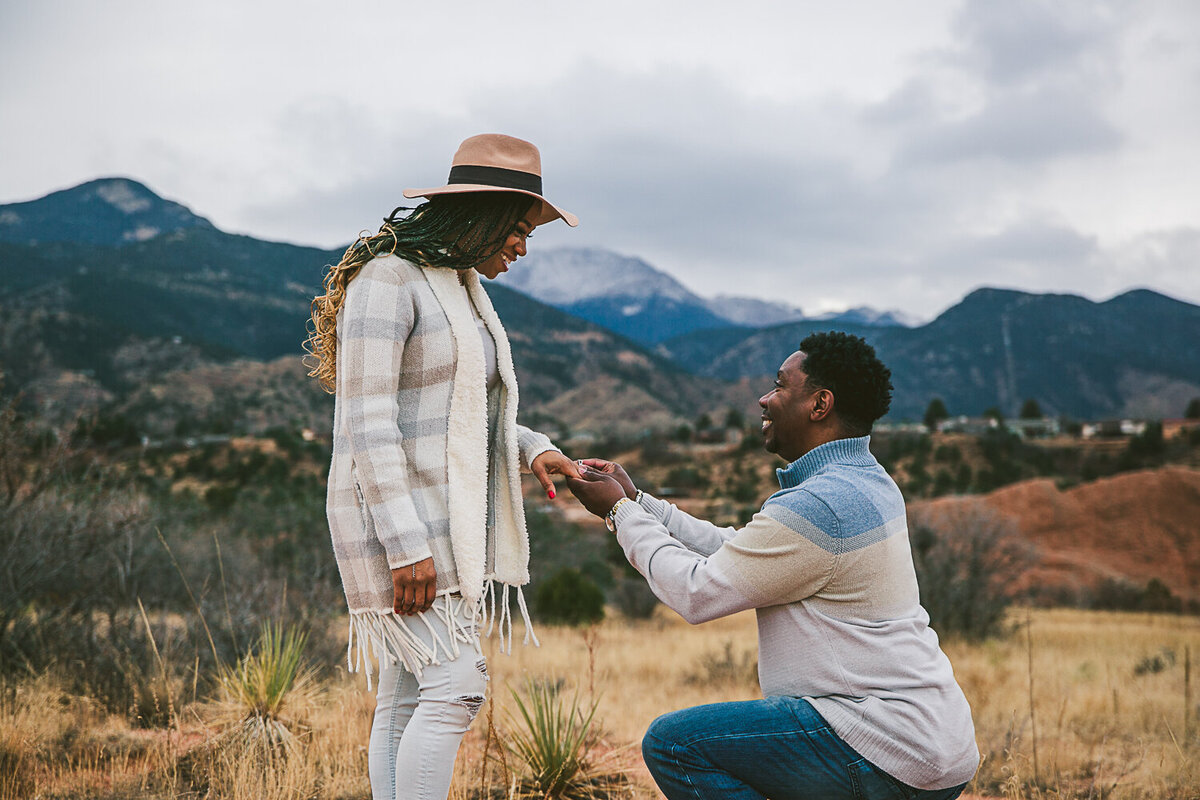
x=778 y=747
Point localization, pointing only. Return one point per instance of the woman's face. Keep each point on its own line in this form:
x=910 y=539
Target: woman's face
x=514 y=248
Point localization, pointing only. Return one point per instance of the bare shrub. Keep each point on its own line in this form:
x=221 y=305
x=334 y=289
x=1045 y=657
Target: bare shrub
x=1164 y=659
x=83 y=548
x=78 y=549
x=724 y=668
x=568 y=597
x=633 y=598
x=968 y=561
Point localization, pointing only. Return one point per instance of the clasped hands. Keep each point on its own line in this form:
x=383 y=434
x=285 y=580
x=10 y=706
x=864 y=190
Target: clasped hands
x=598 y=484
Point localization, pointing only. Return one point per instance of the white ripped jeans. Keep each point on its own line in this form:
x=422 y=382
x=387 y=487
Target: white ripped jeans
x=419 y=721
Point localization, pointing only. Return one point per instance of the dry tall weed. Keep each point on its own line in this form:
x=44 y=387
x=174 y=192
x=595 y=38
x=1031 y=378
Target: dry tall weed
x=17 y=760
x=1103 y=729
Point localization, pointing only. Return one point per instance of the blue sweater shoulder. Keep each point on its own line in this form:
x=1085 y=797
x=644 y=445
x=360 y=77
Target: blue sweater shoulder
x=842 y=501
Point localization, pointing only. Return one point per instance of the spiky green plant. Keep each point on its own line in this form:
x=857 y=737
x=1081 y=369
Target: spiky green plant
x=553 y=742
x=265 y=689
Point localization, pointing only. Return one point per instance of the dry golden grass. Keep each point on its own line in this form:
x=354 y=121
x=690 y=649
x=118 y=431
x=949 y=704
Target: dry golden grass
x=1102 y=730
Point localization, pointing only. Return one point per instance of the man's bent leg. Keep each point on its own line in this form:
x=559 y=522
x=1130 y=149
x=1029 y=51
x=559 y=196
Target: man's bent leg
x=778 y=747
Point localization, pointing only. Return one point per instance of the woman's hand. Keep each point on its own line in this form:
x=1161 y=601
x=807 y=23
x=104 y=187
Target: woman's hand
x=414 y=587
x=614 y=470
x=550 y=463
x=596 y=491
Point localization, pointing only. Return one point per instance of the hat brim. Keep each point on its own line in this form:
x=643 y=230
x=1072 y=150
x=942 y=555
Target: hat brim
x=549 y=211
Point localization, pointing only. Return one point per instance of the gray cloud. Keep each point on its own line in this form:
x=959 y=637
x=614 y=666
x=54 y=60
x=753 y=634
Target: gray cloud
x=1167 y=260
x=1035 y=126
x=1032 y=253
x=1032 y=40
x=786 y=152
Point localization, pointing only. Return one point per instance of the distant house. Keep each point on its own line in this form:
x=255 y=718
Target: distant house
x=963 y=424
x=898 y=427
x=1113 y=428
x=1039 y=428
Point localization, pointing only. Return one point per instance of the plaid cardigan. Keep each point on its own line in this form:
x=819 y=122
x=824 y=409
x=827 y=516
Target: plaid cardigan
x=425 y=463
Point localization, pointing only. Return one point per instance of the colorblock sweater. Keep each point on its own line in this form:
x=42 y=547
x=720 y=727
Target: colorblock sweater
x=827 y=565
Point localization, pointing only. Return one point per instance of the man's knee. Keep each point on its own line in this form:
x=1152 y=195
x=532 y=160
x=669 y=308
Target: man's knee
x=662 y=736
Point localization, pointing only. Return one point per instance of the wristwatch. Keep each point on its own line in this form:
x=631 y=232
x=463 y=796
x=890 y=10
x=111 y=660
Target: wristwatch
x=610 y=521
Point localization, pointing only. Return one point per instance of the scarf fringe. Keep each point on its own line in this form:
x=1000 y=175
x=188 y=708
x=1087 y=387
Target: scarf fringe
x=385 y=637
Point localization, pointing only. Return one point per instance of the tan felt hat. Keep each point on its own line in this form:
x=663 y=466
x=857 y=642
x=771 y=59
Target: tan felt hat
x=493 y=162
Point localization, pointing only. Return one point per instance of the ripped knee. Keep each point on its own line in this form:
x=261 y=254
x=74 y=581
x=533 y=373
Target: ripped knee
x=471 y=702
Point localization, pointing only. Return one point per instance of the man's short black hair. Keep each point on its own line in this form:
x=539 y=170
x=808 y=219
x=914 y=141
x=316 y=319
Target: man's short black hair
x=847 y=366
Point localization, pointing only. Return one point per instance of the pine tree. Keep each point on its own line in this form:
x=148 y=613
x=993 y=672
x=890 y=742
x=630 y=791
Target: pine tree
x=935 y=413
x=1031 y=410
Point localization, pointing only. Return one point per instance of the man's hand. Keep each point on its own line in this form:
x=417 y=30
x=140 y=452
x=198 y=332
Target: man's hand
x=615 y=470
x=550 y=463
x=414 y=587
x=596 y=491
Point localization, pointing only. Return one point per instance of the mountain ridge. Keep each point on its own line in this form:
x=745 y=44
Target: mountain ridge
x=1133 y=354
x=83 y=309
x=112 y=210
x=138 y=325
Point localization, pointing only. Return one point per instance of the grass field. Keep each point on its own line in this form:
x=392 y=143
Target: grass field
x=1109 y=715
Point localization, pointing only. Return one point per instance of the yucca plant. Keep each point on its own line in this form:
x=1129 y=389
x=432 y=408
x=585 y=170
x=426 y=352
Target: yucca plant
x=553 y=742
x=264 y=690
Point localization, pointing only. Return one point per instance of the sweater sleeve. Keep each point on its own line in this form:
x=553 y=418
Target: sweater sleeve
x=531 y=444
x=377 y=318
x=698 y=535
x=765 y=563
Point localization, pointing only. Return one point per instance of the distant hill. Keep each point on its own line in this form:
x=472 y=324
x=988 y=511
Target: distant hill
x=1133 y=527
x=104 y=211
x=1135 y=354
x=101 y=317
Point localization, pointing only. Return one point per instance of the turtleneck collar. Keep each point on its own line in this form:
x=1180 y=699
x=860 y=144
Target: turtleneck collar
x=854 y=452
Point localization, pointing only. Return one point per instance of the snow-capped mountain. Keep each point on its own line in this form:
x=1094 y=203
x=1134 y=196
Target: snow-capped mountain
x=865 y=315
x=753 y=312
x=565 y=275
x=627 y=295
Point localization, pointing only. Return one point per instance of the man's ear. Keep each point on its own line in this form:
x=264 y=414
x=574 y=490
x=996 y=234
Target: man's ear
x=822 y=405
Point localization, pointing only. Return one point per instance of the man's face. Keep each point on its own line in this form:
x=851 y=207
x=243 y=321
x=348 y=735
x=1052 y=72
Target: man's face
x=786 y=410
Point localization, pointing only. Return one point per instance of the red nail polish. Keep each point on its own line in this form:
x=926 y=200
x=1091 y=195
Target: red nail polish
x=551 y=493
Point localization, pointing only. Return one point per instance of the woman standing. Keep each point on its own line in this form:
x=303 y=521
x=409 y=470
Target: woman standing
x=424 y=499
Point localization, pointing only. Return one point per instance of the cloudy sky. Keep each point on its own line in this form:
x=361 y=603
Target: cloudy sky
x=828 y=154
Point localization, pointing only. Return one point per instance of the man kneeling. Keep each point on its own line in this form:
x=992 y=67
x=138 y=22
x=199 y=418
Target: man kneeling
x=859 y=700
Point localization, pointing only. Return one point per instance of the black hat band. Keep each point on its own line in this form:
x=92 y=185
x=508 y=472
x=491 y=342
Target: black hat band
x=496 y=176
